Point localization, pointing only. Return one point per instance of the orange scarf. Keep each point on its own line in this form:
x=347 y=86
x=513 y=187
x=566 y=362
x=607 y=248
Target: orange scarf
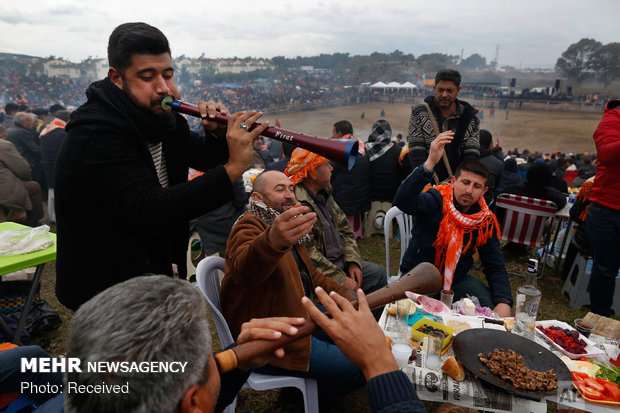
x=454 y=225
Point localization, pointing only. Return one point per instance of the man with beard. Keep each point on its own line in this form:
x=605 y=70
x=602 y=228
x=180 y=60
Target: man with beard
x=123 y=201
x=453 y=118
x=452 y=221
x=268 y=271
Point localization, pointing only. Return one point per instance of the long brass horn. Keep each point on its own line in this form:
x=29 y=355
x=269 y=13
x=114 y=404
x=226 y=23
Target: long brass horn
x=422 y=279
x=343 y=153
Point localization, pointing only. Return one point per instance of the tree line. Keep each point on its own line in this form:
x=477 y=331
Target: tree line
x=590 y=59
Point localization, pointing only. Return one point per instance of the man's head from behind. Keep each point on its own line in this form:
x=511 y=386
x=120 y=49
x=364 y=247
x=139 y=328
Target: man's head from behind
x=144 y=319
x=275 y=190
x=10 y=108
x=141 y=64
x=24 y=119
x=469 y=183
x=486 y=139
x=539 y=175
x=342 y=128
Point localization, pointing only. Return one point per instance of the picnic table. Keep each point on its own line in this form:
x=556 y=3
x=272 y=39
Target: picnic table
x=436 y=386
x=12 y=263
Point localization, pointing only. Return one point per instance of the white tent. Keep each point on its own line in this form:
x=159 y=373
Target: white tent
x=394 y=85
x=408 y=85
x=379 y=85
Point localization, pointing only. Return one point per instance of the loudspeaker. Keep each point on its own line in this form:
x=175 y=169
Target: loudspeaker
x=557 y=84
x=513 y=82
x=569 y=90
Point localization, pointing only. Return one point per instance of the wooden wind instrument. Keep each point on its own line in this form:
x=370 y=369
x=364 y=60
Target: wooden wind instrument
x=423 y=279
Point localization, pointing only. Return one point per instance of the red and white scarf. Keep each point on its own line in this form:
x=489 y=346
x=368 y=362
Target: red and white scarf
x=54 y=124
x=454 y=225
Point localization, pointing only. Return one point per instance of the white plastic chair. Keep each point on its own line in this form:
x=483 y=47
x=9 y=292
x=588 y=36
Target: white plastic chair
x=405 y=222
x=207 y=277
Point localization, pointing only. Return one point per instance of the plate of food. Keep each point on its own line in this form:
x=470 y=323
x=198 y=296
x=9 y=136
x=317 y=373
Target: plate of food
x=566 y=339
x=482 y=350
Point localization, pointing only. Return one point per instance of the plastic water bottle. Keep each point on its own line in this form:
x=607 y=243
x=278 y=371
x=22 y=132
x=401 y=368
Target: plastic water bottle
x=528 y=299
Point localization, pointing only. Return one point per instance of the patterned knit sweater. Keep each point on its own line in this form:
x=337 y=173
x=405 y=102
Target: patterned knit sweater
x=466 y=143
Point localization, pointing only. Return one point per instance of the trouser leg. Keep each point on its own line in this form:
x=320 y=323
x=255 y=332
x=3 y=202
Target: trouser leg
x=373 y=279
x=603 y=226
x=36 y=198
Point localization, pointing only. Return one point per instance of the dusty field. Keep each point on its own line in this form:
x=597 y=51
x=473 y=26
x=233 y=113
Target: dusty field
x=545 y=131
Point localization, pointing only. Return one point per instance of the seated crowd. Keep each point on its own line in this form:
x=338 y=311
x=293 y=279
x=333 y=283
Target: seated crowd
x=291 y=254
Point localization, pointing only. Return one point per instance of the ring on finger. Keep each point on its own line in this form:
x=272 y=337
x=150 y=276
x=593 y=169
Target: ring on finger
x=243 y=125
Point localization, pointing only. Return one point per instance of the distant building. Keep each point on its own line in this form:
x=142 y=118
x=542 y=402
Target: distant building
x=62 y=68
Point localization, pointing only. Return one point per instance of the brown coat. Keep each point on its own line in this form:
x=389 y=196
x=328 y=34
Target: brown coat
x=261 y=281
x=13 y=170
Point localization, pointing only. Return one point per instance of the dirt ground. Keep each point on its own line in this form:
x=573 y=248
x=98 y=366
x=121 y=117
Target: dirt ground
x=544 y=131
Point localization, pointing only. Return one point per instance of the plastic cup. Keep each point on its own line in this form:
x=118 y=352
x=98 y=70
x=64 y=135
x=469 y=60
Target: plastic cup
x=401 y=353
x=447 y=297
x=402 y=313
x=433 y=349
x=585 y=327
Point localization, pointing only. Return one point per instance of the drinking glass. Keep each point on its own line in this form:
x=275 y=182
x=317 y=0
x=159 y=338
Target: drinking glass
x=433 y=350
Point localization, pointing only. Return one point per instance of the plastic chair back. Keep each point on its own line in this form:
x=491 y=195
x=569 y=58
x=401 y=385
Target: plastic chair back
x=405 y=222
x=208 y=279
x=524 y=220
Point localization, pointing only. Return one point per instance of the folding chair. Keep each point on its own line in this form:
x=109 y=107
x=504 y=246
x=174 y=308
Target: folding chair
x=525 y=222
x=405 y=222
x=208 y=279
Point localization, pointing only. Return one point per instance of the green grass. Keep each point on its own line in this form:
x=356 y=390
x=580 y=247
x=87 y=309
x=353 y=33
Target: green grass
x=553 y=306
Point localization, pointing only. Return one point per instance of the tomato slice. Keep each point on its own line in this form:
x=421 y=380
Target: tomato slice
x=611 y=391
x=593 y=384
x=590 y=393
x=577 y=375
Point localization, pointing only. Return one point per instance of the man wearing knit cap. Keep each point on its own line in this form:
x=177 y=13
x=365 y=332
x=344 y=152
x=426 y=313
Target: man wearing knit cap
x=332 y=247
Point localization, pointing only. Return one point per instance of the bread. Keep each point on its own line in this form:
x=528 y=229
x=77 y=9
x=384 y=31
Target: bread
x=391 y=309
x=508 y=323
x=454 y=369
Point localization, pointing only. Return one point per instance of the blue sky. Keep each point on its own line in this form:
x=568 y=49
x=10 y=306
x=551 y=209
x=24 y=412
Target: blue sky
x=529 y=33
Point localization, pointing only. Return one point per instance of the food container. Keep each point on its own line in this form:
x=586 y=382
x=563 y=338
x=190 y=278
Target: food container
x=590 y=348
x=419 y=336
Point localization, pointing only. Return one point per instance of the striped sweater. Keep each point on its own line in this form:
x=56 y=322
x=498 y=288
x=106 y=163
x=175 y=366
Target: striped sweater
x=464 y=123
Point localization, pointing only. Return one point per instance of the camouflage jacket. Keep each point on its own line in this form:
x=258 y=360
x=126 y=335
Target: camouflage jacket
x=316 y=247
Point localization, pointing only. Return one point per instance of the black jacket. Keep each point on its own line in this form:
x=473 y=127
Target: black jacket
x=114 y=219
x=351 y=189
x=385 y=175
x=28 y=146
x=496 y=170
x=50 y=146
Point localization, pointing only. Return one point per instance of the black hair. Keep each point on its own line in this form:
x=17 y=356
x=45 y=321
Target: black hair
x=11 y=108
x=474 y=167
x=343 y=127
x=486 y=138
x=448 y=75
x=539 y=175
x=129 y=39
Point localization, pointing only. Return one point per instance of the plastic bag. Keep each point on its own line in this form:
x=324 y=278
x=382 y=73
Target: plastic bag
x=24 y=240
x=471 y=306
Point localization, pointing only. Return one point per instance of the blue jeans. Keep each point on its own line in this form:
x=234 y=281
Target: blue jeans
x=11 y=376
x=603 y=226
x=333 y=371
x=373 y=278
x=468 y=284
